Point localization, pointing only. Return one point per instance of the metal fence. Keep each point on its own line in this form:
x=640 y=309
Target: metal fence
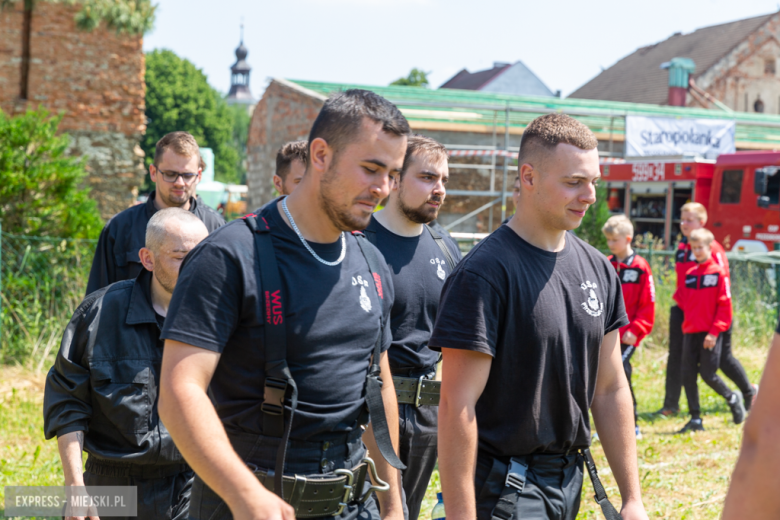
x=42 y=281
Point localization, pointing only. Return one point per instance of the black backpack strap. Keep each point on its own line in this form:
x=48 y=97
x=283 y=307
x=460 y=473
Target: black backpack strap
x=442 y=245
x=278 y=379
x=376 y=407
x=609 y=511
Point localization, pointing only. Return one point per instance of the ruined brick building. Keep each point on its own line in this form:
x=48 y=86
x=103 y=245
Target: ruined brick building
x=736 y=64
x=96 y=78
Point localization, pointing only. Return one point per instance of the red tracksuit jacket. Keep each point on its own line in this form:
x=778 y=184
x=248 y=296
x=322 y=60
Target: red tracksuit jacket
x=684 y=261
x=706 y=299
x=636 y=280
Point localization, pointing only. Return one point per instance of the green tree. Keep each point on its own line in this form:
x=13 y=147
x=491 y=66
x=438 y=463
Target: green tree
x=416 y=78
x=40 y=186
x=595 y=217
x=241 y=122
x=179 y=97
x=123 y=16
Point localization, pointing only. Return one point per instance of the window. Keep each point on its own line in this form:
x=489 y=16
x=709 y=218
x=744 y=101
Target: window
x=769 y=67
x=731 y=189
x=773 y=188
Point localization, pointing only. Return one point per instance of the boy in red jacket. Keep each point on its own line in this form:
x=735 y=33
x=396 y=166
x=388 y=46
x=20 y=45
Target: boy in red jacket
x=705 y=299
x=636 y=281
x=694 y=216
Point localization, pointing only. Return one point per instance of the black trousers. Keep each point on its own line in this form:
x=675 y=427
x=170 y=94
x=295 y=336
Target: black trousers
x=417 y=435
x=628 y=351
x=699 y=360
x=163 y=491
x=552 y=489
x=674 y=362
x=303 y=458
x=732 y=368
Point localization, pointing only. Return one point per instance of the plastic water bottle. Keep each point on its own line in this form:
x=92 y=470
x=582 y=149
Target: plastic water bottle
x=438 y=509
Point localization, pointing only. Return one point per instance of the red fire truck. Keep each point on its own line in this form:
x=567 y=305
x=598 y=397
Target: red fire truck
x=741 y=192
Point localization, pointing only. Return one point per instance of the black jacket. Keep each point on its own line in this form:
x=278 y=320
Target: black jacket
x=105 y=379
x=116 y=257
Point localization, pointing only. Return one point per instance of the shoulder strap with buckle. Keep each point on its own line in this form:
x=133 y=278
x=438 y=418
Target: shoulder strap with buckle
x=278 y=379
x=442 y=245
x=609 y=511
x=376 y=408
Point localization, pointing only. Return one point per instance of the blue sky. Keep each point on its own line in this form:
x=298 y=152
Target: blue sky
x=374 y=42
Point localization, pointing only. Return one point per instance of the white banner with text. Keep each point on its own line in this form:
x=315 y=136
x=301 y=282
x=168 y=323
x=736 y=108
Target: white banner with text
x=653 y=136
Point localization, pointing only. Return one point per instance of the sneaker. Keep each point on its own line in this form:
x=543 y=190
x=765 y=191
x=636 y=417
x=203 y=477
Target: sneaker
x=667 y=412
x=637 y=432
x=749 y=399
x=694 y=425
x=737 y=407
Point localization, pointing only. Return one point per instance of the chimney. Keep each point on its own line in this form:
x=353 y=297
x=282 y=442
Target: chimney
x=679 y=69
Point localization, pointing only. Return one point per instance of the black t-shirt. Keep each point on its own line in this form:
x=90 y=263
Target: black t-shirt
x=542 y=317
x=333 y=317
x=418 y=268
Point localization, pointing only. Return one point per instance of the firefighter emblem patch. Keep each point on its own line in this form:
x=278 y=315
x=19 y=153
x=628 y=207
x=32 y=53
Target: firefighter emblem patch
x=592 y=306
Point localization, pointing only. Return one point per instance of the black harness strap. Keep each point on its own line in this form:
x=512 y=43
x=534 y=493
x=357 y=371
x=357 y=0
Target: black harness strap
x=371 y=236
x=610 y=513
x=443 y=246
x=278 y=378
x=376 y=407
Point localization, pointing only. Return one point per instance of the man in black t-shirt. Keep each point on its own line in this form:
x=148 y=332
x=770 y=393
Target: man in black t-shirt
x=418 y=266
x=332 y=308
x=528 y=327
x=176 y=173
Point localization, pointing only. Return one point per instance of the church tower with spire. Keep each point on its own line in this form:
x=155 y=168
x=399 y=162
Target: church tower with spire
x=239 y=78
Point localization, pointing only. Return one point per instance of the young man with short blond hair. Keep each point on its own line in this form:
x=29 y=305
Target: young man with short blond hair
x=420 y=260
x=529 y=327
x=176 y=172
x=636 y=281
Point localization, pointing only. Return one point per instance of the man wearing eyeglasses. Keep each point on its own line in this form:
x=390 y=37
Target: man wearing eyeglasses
x=175 y=172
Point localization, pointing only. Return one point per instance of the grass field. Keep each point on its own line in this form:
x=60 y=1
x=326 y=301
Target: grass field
x=683 y=477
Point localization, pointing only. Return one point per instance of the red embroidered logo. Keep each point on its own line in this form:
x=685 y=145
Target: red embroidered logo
x=273 y=308
x=378 y=282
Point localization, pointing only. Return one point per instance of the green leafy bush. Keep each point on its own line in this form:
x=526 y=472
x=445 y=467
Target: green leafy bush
x=41 y=190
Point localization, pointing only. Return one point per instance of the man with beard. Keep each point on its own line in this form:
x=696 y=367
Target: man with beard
x=276 y=320
x=101 y=392
x=419 y=260
x=175 y=172
x=528 y=327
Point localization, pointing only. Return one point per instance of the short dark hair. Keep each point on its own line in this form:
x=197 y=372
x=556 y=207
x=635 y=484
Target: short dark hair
x=420 y=145
x=341 y=117
x=289 y=152
x=548 y=131
x=182 y=143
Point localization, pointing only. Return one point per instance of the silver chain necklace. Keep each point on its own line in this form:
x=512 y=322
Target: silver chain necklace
x=306 y=244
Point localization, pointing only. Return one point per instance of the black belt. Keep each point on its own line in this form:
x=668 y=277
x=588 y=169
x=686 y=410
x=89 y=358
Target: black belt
x=325 y=495
x=417 y=391
x=108 y=468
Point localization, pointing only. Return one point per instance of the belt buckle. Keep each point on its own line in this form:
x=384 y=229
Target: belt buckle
x=348 y=488
x=417 y=400
x=377 y=484
x=515 y=477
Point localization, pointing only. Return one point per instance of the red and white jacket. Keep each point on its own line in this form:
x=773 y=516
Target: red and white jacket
x=706 y=299
x=684 y=261
x=636 y=281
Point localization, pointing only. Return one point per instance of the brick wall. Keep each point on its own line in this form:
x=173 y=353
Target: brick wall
x=285 y=113
x=96 y=78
